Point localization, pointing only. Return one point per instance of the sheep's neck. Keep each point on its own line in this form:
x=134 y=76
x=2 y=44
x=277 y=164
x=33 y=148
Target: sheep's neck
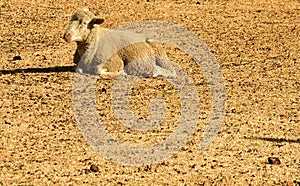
x=96 y=32
x=82 y=45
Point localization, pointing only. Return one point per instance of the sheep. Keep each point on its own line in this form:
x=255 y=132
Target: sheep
x=129 y=53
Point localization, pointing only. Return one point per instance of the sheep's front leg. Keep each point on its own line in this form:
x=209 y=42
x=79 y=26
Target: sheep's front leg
x=113 y=67
x=101 y=70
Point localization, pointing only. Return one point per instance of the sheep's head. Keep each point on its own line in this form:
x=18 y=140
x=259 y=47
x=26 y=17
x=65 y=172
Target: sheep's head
x=81 y=24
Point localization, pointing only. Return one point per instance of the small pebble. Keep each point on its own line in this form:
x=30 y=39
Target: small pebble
x=273 y=161
x=17 y=58
x=94 y=168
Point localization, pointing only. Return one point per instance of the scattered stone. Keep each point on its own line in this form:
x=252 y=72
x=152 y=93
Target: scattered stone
x=94 y=168
x=87 y=171
x=17 y=58
x=296 y=182
x=273 y=161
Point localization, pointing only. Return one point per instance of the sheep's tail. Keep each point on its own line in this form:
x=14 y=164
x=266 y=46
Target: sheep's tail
x=157 y=46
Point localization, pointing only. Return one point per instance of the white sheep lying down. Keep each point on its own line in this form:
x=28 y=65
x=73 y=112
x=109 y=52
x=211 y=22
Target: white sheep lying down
x=113 y=52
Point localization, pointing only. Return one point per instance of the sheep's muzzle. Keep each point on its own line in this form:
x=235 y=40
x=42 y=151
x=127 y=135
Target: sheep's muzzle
x=67 y=37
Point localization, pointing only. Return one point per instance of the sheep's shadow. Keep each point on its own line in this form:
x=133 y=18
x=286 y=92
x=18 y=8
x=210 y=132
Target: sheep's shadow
x=40 y=70
x=277 y=140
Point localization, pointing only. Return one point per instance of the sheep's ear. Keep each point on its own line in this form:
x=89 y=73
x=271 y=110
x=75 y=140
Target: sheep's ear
x=97 y=21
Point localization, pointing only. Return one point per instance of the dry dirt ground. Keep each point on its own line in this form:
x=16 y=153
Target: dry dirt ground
x=256 y=43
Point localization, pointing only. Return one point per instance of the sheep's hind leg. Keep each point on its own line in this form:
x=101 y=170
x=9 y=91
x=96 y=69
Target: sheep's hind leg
x=164 y=68
x=162 y=72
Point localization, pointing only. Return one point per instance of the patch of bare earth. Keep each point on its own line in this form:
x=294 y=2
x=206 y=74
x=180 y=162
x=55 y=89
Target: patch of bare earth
x=256 y=44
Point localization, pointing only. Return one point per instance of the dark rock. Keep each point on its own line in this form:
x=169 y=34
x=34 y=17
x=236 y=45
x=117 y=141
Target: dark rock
x=94 y=168
x=273 y=161
x=17 y=58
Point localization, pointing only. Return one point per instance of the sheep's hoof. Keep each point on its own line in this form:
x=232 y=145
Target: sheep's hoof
x=122 y=73
x=79 y=70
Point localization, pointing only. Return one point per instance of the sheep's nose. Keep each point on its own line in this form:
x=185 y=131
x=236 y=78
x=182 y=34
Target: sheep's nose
x=67 y=37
